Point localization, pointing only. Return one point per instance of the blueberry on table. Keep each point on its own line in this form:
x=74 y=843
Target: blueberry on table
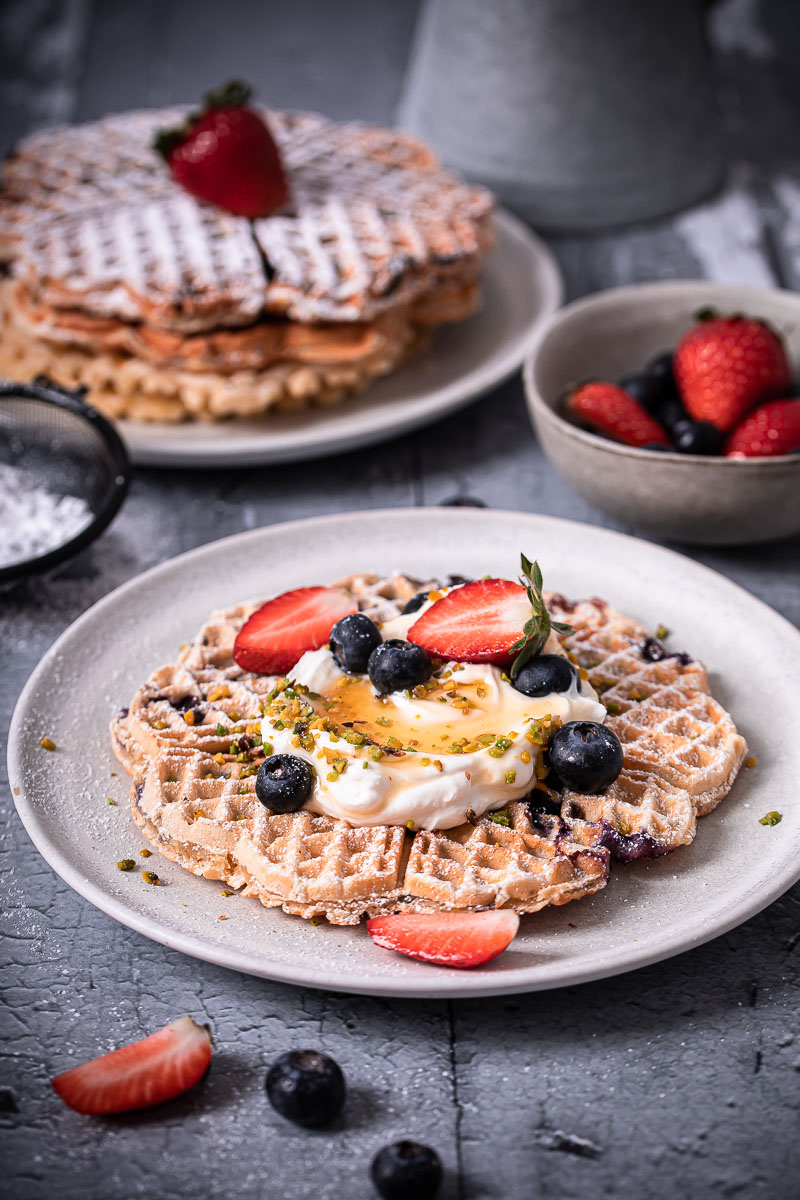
x=407 y=1171
x=697 y=437
x=586 y=756
x=396 y=665
x=306 y=1086
x=283 y=782
x=352 y=640
x=543 y=674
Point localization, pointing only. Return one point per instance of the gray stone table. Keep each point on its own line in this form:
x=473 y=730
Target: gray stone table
x=682 y=1079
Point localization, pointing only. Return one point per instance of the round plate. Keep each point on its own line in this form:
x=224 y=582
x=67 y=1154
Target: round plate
x=521 y=286
x=649 y=910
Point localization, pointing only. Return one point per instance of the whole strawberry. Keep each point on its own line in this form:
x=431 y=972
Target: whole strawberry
x=771 y=429
x=224 y=154
x=726 y=365
x=611 y=410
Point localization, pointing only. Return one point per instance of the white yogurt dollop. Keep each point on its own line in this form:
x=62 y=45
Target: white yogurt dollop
x=426 y=784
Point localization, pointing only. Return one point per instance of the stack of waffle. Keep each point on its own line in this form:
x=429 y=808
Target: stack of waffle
x=193 y=785
x=170 y=309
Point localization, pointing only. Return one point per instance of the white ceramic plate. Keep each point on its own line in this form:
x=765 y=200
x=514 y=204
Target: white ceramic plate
x=650 y=910
x=521 y=287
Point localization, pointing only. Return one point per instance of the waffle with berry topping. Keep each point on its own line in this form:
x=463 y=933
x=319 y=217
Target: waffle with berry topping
x=191 y=742
x=168 y=308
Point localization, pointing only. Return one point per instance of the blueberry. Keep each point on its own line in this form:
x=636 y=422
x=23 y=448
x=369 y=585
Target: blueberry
x=586 y=756
x=544 y=674
x=352 y=641
x=396 y=665
x=415 y=603
x=697 y=437
x=661 y=373
x=647 y=391
x=306 y=1087
x=671 y=413
x=283 y=782
x=462 y=502
x=407 y=1171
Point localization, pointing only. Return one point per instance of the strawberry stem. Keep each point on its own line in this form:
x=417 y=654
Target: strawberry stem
x=233 y=94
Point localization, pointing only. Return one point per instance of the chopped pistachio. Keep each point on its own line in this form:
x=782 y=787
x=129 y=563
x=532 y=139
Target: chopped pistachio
x=751 y=760
x=47 y=743
x=771 y=818
x=145 y=853
x=500 y=817
x=126 y=864
x=150 y=877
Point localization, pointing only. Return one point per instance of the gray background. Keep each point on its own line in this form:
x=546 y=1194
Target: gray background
x=682 y=1079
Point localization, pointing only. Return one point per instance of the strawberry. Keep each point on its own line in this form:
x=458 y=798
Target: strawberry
x=609 y=408
x=772 y=428
x=479 y=622
x=451 y=939
x=726 y=365
x=145 y=1073
x=279 y=633
x=226 y=155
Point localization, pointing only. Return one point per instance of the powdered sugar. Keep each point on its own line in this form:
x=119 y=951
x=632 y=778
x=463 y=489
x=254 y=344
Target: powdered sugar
x=34 y=520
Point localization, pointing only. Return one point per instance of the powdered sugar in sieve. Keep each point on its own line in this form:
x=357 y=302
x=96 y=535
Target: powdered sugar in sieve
x=33 y=520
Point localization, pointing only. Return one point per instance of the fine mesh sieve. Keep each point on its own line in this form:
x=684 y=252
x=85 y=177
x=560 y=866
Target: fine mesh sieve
x=64 y=472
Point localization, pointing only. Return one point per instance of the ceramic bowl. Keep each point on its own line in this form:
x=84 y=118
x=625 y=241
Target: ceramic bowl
x=687 y=498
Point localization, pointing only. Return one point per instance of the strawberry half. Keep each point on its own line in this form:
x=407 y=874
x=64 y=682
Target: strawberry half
x=226 y=155
x=611 y=410
x=479 y=622
x=145 y=1073
x=771 y=429
x=451 y=939
x=725 y=365
x=280 y=632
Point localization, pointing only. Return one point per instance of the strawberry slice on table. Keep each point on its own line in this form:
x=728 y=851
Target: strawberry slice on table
x=611 y=410
x=479 y=622
x=279 y=633
x=140 y=1075
x=225 y=154
x=725 y=365
x=771 y=429
x=450 y=939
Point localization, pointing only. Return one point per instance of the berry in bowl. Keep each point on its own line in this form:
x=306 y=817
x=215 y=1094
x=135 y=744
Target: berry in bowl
x=687 y=423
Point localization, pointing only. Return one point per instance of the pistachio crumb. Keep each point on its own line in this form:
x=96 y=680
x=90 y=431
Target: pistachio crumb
x=110 y=801
x=47 y=743
x=771 y=818
x=126 y=864
x=150 y=877
x=145 y=854
x=751 y=760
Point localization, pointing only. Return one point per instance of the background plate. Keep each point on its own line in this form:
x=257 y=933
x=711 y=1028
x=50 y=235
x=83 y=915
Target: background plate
x=649 y=911
x=521 y=286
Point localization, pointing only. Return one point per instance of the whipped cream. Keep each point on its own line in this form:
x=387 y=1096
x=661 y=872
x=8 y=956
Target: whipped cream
x=461 y=745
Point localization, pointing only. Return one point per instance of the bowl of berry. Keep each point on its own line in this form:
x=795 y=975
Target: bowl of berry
x=675 y=408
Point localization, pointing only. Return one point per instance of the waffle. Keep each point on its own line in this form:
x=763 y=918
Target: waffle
x=681 y=749
x=373 y=222
x=130 y=386
x=193 y=788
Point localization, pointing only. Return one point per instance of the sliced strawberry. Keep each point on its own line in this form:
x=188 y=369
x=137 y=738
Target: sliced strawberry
x=280 y=632
x=611 y=410
x=451 y=939
x=145 y=1073
x=771 y=429
x=478 y=622
x=725 y=365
